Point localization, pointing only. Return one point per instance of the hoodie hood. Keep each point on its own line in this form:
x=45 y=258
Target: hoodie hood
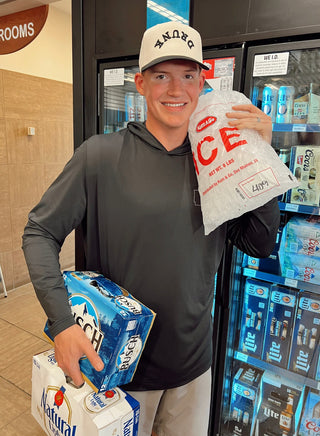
x=140 y=130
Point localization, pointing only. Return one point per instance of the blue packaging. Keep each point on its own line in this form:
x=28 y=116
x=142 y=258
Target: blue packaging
x=285 y=104
x=280 y=407
x=280 y=325
x=244 y=400
x=269 y=102
x=254 y=317
x=130 y=107
x=304 y=355
x=115 y=322
x=310 y=421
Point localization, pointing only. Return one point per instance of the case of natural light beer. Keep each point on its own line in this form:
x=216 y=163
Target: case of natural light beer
x=116 y=323
x=62 y=409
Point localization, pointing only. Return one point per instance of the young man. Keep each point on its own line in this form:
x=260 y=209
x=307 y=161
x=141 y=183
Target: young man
x=133 y=194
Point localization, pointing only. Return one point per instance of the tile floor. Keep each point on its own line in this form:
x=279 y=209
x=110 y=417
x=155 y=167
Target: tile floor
x=21 y=324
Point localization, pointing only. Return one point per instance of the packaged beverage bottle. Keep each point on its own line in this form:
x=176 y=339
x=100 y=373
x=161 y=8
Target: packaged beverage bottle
x=314 y=104
x=255 y=95
x=286 y=415
x=140 y=107
x=130 y=106
x=301 y=105
x=269 y=101
x=285 y=104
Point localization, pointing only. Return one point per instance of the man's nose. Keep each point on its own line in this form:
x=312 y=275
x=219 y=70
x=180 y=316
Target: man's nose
x=175 y=87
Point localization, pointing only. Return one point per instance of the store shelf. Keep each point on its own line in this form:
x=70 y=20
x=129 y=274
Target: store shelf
x=275 y=369
x=288 y=127
x=279 y=280
x=299 y=208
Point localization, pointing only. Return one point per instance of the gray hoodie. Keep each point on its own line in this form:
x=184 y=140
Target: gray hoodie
x=140 y=214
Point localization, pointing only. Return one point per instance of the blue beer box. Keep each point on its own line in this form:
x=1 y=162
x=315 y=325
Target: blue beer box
x=310 y=421
x=279 y=326
x=305 y=347
x=254 y=317
x=117 y=324
x=244 y=400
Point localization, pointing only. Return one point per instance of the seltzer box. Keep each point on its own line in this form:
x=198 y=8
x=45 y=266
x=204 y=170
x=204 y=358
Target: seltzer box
x=116 y=323
x=305 y=165
x=62 y=409
x=254 y=317
x=280 y=325
x=304 y=355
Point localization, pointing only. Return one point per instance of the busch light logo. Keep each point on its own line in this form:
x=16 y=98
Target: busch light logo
x=85 y=315
x=129 y=353
x=129 y=304
x=57 y=412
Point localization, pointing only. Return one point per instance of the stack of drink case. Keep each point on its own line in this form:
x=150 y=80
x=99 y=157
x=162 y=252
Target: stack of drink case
x=62 y=409
x=310 y=420
x=118 y=326
x=305 y=165
x=299 y=252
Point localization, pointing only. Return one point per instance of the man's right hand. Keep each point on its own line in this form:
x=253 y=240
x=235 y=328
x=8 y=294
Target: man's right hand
x=70 y=345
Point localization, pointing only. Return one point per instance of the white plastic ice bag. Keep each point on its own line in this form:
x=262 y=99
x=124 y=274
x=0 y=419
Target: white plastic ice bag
x=237 y=170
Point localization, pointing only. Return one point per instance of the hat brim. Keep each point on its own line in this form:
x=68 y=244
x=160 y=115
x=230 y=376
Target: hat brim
x=169 y=58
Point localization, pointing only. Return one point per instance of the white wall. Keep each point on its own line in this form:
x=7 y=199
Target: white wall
x=49 y=55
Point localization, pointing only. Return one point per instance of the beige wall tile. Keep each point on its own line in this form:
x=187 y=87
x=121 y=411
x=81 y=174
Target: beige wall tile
x=57 y=99
x=19 y=220
x=20 y=269
x=21 y=147
x=3 y=141
x=22 y=96
x=61 y=149
x=6 y=262
x=4 y=185
x=5 y=228
x=1 y=96
x=26 y=184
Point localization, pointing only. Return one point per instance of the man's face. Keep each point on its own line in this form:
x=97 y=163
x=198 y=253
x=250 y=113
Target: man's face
x=171 y=90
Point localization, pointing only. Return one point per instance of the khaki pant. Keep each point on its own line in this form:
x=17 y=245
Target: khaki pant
x=182 y=411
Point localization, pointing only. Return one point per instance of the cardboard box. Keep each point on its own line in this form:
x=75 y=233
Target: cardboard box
x=310 y=420
x=280 y=407
x=62 y=409
x=244 y=400
x=305 y=165
x=280 y=325
x=254 y=317
x=305 y=346
x=116 y=323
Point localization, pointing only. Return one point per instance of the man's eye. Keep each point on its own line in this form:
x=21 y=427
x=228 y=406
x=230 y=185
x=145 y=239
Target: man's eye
x=189 y=76
x=161 y=76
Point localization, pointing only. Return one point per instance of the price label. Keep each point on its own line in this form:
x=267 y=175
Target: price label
x=249 y=272
x=241 y=356
x=260 y=182
x=291 y=283
x=292 y=207
x=299 y=128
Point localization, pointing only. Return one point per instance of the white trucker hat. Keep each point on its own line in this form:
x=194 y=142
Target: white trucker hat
x=171 y=40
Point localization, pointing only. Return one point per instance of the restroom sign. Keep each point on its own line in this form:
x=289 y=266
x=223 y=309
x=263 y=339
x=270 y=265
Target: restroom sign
x=19 y=29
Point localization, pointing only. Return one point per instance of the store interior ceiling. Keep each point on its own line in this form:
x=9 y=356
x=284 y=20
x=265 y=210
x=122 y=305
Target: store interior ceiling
x=8 y=7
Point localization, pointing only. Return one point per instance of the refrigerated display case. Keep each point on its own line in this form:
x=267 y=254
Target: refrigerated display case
x=271 y=366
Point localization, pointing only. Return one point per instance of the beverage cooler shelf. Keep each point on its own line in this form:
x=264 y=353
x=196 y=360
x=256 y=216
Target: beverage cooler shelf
x=314 y=384
x=272 y=278
x=299 y=208
x=289 y=127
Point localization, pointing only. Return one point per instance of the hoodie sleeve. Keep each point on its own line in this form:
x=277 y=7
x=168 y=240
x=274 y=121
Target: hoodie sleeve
x=60 y=210
x=255 y=232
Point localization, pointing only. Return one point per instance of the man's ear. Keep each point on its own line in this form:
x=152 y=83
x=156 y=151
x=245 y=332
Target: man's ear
x=139 y=81
x=202 y=79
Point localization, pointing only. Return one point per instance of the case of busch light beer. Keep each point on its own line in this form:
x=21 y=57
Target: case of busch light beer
x=244 y=400
x=304 y=356
x=280 y=406
x=305 y=165
x=280 y=325
x=61 y=409
x=117 y=324
x=254 y=317
x=310 y=420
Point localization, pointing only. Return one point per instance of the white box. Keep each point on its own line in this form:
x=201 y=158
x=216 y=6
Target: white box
x=61 y=409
